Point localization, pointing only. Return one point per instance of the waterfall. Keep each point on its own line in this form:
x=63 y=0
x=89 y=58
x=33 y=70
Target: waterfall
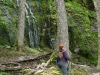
x=17 y=1
x=33 y=30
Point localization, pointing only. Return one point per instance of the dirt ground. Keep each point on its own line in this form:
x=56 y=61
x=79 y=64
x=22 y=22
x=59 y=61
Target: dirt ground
x=7 y=56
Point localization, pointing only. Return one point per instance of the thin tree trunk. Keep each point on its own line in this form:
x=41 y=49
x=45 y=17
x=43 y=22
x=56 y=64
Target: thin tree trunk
x=62 y=30
x=97 y=8
x=21 y=23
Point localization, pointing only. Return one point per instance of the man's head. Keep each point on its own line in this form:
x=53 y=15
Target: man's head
x=61 y=46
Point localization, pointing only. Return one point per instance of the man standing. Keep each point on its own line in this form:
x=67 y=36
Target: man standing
x=62 y=61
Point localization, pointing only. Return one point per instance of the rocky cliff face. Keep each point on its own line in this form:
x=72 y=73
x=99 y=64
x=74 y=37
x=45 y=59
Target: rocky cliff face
x=9 y=19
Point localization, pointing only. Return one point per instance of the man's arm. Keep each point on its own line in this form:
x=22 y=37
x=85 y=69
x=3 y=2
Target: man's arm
x=66 y=56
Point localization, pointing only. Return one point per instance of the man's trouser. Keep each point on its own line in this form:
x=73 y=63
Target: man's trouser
x=63 y=67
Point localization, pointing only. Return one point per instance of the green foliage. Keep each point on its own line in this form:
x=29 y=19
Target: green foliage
x=45 y=15
x=32 y=50
x=7 y=22
x=9 y=3
x=3 y=24
x=79 y=71
x=4 y=73
x=81 y=35
x=53 y=57
x=51 y=71
x=4 y=37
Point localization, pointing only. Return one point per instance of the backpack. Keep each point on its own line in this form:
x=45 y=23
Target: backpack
x=59 y=55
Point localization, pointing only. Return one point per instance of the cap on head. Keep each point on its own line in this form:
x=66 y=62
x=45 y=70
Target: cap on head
x=61 y=46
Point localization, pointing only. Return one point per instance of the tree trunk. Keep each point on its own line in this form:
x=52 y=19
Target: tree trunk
x=62 y=30
x=97 y=8
x=21 y=23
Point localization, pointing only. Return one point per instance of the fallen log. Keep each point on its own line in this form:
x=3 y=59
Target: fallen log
x=12 y=66
x=25 y=59
x=16 y=64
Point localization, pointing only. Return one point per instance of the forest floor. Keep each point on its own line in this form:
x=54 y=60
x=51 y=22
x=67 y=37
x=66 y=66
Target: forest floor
x=93 y=71
x=8 y=56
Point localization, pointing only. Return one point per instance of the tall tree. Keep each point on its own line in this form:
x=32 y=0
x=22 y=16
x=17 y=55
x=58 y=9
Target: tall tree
x=97 y=8
x=21 y=23
x=62 y=25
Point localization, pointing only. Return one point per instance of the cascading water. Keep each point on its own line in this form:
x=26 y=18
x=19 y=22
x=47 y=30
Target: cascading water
x=17 y=2
x=31 y=27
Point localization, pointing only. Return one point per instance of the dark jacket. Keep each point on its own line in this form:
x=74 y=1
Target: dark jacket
x=65 y=56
